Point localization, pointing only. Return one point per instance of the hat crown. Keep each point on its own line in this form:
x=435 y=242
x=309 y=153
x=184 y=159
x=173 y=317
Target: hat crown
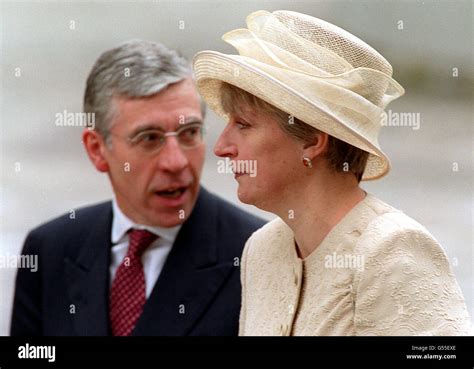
x=312 y=46
x=331 y=37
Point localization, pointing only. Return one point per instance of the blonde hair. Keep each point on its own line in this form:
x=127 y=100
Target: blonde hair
x=341 y=156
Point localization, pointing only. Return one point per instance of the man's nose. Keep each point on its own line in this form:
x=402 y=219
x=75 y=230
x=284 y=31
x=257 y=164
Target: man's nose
x=224 y=146
x=172 y=157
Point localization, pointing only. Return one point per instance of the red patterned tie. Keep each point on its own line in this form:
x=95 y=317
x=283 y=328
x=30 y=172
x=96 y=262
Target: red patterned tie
x=127 y=295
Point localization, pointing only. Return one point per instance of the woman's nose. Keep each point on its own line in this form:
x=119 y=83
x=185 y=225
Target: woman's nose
x=224 y=146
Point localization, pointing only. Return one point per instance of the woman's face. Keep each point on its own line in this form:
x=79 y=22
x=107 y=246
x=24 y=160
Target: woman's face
x=266 y=161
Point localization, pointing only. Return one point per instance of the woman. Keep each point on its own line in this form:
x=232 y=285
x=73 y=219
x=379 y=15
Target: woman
x=304 y=99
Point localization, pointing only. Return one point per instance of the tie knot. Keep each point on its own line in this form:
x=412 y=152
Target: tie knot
x=140 y=239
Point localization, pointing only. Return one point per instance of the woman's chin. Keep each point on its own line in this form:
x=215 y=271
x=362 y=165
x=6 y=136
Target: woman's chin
x=245 y=197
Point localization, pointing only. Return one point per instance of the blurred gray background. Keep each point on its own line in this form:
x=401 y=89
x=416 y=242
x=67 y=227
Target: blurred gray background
x=54 y=60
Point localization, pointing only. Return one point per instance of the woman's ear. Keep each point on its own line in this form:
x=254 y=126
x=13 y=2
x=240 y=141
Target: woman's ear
x=95 y=147
x=318 y=146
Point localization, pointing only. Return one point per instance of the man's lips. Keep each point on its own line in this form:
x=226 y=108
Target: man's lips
x=171 y=191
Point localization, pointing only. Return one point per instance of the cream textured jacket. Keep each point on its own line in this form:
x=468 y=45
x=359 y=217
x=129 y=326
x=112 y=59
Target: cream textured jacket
x=378 y=272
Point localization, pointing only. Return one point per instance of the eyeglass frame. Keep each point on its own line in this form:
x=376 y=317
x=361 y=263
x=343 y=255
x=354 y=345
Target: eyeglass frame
x=165 y=135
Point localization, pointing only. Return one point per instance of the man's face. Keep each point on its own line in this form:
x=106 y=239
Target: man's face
x=143 y=182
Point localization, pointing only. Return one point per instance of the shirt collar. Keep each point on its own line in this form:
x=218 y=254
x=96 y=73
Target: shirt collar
x=121 y=224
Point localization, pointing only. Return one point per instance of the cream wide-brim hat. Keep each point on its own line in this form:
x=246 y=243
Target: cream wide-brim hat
x=311 y=69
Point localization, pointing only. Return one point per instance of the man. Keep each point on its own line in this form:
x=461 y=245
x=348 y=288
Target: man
x=161 y=258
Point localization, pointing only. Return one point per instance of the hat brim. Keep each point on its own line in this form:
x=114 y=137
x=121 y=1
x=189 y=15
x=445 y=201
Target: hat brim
x=211 y=68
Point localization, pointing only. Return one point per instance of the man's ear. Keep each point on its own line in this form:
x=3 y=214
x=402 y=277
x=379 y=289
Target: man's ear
x=95 y=147
x=317 y=147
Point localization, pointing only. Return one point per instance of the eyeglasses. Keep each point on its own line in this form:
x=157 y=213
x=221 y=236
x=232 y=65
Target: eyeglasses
x=151 y=141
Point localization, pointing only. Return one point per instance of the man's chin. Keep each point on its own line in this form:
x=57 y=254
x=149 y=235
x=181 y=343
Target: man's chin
x=168 y=218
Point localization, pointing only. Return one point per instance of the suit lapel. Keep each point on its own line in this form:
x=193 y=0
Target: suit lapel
x=88 y=277
x=189 y=281
x=190 y=278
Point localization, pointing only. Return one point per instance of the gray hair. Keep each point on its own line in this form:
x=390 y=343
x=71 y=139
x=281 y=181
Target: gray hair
x=136 y=68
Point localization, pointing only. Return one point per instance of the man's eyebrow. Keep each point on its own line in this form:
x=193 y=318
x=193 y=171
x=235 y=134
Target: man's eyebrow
x=191 y=120
x=154 y=126
x=146 y=127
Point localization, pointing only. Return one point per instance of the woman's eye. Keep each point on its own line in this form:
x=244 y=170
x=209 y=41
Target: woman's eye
x=241 y=125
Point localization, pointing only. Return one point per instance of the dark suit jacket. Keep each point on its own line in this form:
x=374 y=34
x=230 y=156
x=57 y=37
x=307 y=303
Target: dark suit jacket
x=197 y=293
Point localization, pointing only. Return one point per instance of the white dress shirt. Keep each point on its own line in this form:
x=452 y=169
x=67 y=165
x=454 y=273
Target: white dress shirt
x=154 y=257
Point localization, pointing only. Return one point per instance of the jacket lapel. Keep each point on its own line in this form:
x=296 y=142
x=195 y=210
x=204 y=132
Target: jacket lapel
x=88 y=277
x=190 y=278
